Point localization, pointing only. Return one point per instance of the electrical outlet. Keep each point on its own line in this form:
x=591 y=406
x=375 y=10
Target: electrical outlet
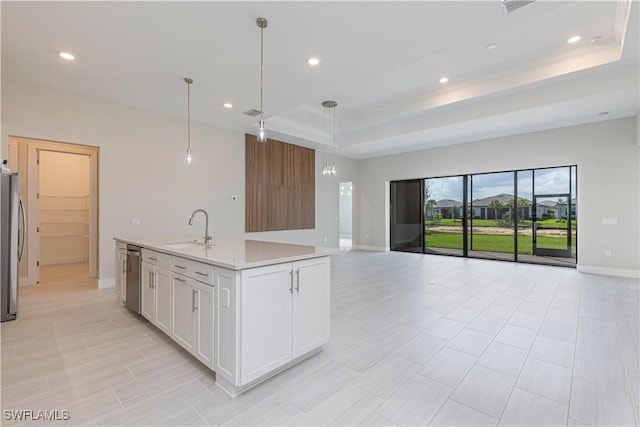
x=607 y=252
x=135 y=222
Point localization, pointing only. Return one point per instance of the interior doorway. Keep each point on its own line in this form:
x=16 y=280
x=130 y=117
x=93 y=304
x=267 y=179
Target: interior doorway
x=345 y=209
x=64 y=186
x=59 y=183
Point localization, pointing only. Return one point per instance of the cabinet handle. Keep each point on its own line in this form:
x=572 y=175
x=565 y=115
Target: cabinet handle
x=291 y=287
x=180 y=279
x=154 y=276
x=150 y=279
x=182 y=267
x=124 y=265
x=152 y=258
x=202 y=274
x=193 y=300
x=298 y=280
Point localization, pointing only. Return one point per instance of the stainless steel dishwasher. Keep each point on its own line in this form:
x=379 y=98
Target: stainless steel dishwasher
x=133 y=285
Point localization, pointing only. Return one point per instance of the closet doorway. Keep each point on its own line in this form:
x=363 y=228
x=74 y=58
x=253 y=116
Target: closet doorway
x=64 y=215
x=59 y=183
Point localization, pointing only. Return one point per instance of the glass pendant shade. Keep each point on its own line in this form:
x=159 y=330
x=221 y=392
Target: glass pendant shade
x=262 y=131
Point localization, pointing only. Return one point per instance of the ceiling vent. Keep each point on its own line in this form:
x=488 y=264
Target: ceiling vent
x=511 y=5
x=252 y=112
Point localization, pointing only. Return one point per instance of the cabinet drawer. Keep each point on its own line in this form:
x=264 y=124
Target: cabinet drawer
x=196 y=270
x=156 y=258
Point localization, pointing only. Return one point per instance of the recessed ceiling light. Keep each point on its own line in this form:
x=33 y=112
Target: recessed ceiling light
x=492 y=46
x=66 y=55
x=573 y=39
x=596 y=40
x=313 y=61
x=227 y=105
x=444 y=79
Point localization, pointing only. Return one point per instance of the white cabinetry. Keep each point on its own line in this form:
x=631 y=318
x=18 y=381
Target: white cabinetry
x=121 y=270
x=156 y=289
x=284 y=314
x=193 y=304
x=183 y=330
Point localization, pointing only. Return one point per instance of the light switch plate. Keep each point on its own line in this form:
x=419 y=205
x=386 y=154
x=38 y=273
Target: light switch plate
x=610 y=221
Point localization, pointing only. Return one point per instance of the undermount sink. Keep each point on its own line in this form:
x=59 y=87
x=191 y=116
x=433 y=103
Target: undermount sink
x=187 y=245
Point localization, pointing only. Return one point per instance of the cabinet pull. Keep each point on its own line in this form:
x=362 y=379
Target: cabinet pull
x=202 y=274
x=180 y=279
x=181 y=267
x=152 y=258
x=150 y=280
x=124 y=265
x=154 y=277
x=291 y=287
x=298 y=280
x=193 y=300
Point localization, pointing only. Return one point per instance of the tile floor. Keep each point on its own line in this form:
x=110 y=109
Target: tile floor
x=416 y=340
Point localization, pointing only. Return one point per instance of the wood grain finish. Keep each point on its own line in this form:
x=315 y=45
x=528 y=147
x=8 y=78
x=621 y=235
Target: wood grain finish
x=280 y=186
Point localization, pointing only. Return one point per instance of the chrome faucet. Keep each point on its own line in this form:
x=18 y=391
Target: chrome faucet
x=207 y=238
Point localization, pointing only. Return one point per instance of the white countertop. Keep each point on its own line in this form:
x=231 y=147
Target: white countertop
x=235 y=254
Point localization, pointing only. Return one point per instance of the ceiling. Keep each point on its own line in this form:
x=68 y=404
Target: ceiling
x=380 y=60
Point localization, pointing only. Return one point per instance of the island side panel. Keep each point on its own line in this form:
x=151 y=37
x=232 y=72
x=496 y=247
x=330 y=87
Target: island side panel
x=227 y=314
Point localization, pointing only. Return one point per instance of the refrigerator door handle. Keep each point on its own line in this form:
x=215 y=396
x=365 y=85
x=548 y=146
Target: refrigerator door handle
x=24 y=230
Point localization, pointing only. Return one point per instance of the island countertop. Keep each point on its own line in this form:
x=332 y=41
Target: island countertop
x=234 y=254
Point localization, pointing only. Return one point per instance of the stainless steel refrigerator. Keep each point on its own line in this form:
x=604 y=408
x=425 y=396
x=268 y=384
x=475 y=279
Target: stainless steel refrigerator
x=11 y=209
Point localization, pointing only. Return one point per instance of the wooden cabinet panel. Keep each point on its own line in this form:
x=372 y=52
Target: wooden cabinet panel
x=280 y=186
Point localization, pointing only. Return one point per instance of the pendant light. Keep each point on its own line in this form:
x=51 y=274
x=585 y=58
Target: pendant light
x=188 y=81
x=329 y=167
x=262 y=130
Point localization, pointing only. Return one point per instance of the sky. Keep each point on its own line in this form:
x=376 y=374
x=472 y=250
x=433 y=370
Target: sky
x=547 y=181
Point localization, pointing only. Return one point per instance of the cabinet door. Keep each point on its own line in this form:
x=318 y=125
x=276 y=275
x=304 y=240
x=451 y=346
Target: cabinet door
x=121 y=274
x=162 y=283
x=148 y=292
x=205 y=323
x=311 y=305
x=265 y=320
x=183 y=327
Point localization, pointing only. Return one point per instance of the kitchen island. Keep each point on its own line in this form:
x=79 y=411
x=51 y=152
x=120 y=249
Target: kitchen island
x=247 y=309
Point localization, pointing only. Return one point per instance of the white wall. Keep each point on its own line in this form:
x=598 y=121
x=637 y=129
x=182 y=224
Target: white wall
x=142 y=172
x=608 y=184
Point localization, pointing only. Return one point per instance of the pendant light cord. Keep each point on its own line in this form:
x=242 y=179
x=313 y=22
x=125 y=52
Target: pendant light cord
x=189 y=113
x=261 y=68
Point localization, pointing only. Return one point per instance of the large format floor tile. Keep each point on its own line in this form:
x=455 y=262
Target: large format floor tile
x=415 y=340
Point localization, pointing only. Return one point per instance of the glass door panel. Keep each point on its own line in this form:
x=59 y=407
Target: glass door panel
x=443 y=215
x=524 y=213
x=407 y=230
x=490 y=230
x=552 y=227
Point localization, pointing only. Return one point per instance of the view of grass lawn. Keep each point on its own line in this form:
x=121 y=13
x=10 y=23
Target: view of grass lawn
x=494 y=242
x=547 y=223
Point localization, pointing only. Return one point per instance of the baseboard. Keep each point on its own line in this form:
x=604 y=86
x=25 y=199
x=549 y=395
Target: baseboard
x=371 y=248
x=107 y=283
x=620 y=272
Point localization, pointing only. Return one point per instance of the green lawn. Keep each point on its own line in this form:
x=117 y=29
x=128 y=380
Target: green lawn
x=547 y=223
x=494 y=243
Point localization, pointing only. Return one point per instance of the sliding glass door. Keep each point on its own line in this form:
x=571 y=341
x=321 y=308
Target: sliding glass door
x=523 y=215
